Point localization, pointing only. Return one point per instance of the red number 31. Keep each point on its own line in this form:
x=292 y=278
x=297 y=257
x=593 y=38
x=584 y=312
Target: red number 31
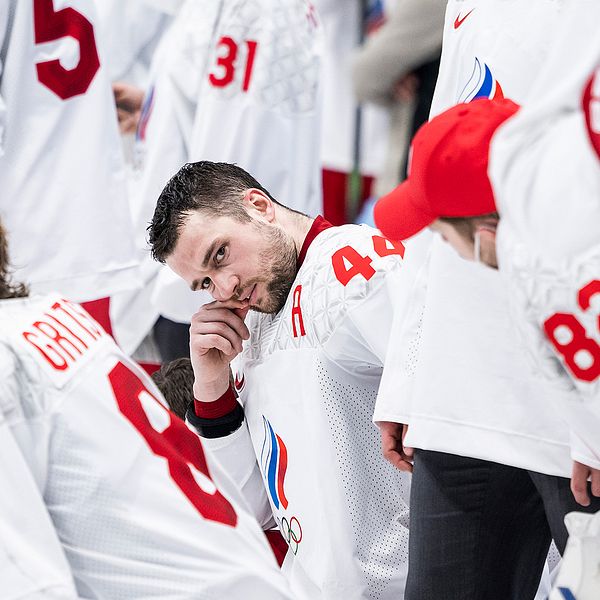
x=51 y=25
x=579 y=347
x=226 y=62
x=176 y=444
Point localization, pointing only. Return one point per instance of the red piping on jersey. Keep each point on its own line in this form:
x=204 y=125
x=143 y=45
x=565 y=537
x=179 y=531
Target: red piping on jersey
x=219 y=408
x=319 y=225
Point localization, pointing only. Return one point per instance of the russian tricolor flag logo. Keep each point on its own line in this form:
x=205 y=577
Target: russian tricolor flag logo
x=481 y=84
x=273 y=460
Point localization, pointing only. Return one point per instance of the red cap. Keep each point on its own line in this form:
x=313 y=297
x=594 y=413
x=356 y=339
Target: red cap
x=448 y=170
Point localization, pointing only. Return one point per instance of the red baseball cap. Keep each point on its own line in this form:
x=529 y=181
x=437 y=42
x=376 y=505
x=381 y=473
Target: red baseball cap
x=448 y=170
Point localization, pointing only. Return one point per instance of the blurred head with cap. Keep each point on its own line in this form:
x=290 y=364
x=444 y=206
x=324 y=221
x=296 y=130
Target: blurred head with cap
x=448 y=187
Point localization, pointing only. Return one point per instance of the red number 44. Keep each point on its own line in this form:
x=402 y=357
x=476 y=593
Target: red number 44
x=580 y=352
x=348 y=263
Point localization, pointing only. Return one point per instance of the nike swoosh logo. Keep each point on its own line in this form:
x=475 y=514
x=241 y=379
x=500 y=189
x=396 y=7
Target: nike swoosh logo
x=458 y=22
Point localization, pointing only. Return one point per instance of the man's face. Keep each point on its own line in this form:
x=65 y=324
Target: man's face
x=252 y=262
x=482 y=250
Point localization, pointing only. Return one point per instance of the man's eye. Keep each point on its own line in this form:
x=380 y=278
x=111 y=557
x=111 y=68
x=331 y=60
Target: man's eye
x=205 y=283
x=220 y=255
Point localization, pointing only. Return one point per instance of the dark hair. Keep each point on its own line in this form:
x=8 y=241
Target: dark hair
x=7 y=288
x=216 y=188
x=176 y=382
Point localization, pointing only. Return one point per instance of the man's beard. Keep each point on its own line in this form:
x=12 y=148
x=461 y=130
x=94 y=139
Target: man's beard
x=280 y=258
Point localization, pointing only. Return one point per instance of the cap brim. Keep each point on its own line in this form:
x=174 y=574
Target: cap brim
x=399 y=215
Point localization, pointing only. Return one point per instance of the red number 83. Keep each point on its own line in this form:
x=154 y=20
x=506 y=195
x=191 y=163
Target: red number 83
x=176 y=444
x=580 y=353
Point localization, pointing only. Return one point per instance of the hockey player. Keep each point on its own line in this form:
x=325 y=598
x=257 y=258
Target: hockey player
x=478 y=418
x=84 y=431
x=306 y=364
x=62 y=171
x=228 y=77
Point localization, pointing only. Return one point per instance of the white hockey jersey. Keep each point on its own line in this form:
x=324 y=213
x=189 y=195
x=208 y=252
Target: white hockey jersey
x=546 y=175
x=470 y=392
x=32 y=562
x=125 y=482
x=308 y=378
x=63 y=197
x=232 y=81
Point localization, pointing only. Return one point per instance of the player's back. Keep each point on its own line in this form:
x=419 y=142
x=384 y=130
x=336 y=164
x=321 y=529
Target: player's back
x=61 y=163
x=125 y=482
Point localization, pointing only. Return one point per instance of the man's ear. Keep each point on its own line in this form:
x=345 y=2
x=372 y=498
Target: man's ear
x=259 y=205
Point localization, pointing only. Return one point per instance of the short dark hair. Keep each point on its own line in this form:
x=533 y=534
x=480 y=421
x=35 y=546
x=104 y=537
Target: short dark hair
x=175 y=380
x=216 y=188
x=8 y=289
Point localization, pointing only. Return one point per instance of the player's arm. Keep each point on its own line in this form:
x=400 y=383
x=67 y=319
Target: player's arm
x=217 y=332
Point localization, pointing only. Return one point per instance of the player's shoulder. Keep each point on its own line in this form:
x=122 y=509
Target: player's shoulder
x=350 y=256
x=53 y=338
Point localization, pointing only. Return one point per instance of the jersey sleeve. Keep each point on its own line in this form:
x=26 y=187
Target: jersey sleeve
x=32 y=562
x=234 y=453
x=400 y=363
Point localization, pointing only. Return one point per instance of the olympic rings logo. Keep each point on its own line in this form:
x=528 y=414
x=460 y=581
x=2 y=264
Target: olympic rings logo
x=292 y=532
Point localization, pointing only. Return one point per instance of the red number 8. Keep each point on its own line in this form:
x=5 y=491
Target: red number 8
x=579 y=341
x=177 y=444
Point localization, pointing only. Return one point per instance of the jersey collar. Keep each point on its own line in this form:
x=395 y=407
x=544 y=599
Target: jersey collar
x=319 y=225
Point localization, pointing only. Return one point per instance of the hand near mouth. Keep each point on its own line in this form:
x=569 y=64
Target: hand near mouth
x=217 y=332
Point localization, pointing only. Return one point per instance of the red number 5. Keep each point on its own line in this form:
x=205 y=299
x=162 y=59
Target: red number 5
x=50 y=25
x=177 y=444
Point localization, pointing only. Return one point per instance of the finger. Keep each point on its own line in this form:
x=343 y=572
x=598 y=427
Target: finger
x=409 y=452
x=392 y=450
x=395 y=459
x=207 y=342
x=220 y=329
x=579 y=484
x=596 y=482
x=216 y=314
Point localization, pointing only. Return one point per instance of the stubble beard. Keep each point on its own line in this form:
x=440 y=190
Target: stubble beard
x=280 y=258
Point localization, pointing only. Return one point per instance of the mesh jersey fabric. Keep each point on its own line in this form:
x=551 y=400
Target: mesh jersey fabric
x=308 y=379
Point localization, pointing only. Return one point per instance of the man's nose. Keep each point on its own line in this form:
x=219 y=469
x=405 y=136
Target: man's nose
x=225 y=286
